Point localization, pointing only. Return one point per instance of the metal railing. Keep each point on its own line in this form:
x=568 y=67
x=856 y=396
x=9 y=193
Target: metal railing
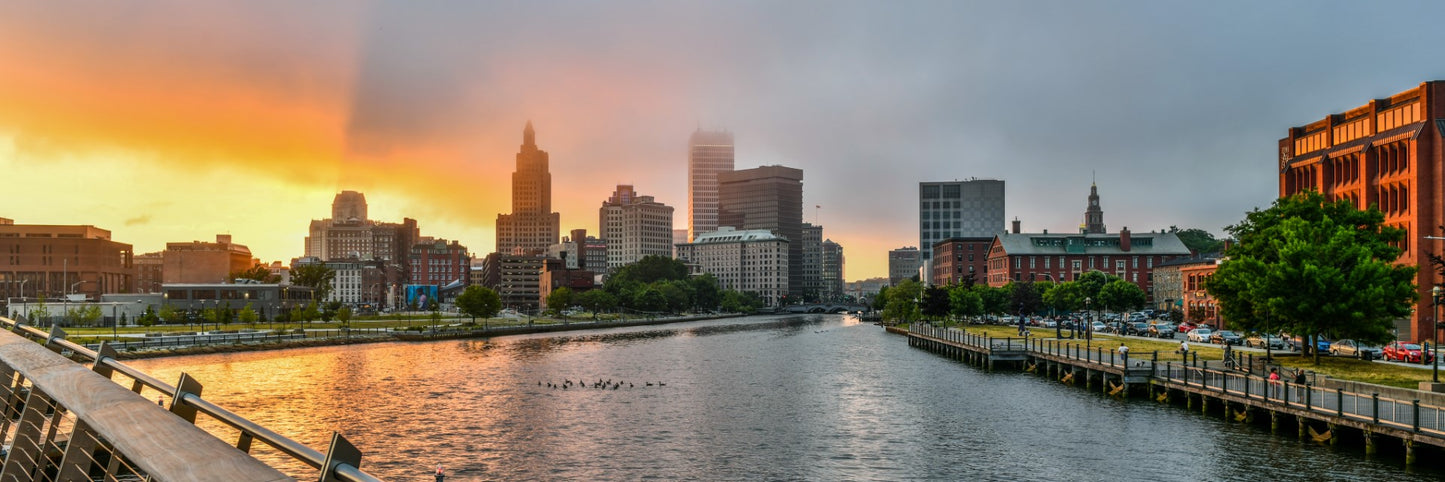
x=340 y=463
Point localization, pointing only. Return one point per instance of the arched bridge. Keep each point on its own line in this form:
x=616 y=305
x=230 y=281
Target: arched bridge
x=825 y=308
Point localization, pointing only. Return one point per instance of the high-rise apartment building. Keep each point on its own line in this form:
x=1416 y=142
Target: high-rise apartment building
x=951 y=209
x=708 y=153
x=812 y=269
x=634 y=226
x=532 y=225
x=1385 y=153
x=52 y=261
x=771 y=198
x=903 y=263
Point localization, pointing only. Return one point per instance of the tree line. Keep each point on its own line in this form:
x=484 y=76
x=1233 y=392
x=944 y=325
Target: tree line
x=1095 y=290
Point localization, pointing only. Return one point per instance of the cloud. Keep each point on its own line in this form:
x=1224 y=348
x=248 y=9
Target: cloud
x=138 y=220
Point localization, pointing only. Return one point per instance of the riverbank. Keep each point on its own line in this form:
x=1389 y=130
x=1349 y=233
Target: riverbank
x=441 y=333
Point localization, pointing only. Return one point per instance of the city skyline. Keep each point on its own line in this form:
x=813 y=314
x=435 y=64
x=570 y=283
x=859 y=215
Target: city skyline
x=174 y=122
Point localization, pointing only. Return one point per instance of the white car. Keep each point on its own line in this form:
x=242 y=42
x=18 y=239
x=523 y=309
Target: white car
x=1100 y=327
x=1200 y=335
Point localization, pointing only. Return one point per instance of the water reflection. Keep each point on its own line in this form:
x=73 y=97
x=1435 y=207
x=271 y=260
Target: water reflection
x=816 y=397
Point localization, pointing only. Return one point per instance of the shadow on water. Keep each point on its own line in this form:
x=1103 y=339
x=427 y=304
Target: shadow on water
x=525 y=346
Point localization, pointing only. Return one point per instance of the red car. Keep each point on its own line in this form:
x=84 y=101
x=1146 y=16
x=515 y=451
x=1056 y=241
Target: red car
x=1186 y=327
x=1406 y=352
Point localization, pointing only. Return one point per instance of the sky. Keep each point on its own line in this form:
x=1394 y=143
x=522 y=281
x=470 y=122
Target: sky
x=175 y=120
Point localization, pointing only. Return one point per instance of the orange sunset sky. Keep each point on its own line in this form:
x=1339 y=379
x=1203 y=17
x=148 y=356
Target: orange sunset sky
x=177 y=120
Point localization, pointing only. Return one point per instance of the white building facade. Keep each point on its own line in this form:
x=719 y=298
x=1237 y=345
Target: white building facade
x=752 y=260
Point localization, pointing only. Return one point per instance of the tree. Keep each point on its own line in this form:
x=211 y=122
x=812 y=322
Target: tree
x=597 y=301
x=560 y=299
x=965 y=302
x=248 y=315
x=310 y=313
x=1023 y=298
x=329 y=309
x=84 y=315
x=995 y=300
x=1198 y=240
x=1092 y=282
x=935 y=302
x=903 y=302
x=1310 y=266
x=880 y=300
x=170 y=315
x=1120 y=295
x=649 y=299
x=677 y=293
x=344 y=316
x=316 y=276
x=1066 y=296
x=480 y=301
x=259 y=272
x=705 y=293
x=651 y=268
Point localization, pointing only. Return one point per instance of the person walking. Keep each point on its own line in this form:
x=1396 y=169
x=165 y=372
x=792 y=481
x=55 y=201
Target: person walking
x=1124 y=353
x=1184 y=350
x=1299 y=382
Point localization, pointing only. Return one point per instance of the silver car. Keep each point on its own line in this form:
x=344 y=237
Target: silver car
x=1352 y=348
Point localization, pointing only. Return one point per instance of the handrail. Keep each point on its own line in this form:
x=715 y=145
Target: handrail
x=342 y=471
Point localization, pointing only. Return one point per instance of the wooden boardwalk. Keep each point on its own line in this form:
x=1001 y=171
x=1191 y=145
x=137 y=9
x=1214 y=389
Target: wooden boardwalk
x=1324 y=415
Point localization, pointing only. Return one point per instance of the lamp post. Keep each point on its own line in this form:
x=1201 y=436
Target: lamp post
x=1088 y=324
x=1436 y=293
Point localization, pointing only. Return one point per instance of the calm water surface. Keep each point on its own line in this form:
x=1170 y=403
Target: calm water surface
x=815 y=397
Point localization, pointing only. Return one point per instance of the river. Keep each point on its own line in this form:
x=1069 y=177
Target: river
x=801 y=397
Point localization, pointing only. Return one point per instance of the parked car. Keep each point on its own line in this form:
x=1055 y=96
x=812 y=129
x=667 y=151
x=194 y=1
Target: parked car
x=1355 y=349
x=1259 y=341
x=1200 y=335
x=1162 y=330
x=1099 y=327
x=1406 y=352
x=1225 y=337
x=1137 y=328
x=1186 y=327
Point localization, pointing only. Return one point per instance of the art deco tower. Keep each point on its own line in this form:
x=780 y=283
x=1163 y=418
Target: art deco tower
x=532 y=224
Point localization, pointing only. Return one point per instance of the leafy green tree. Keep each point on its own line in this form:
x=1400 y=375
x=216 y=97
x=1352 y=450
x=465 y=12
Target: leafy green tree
x=1092 y=282
x=559 y=299
x=329 y=309
x=480 y=301
x=258 y=272
x=248 y=315
x=935 y=302
x=734 y=301
x=316 y=276
x=705 y=292
x=597 y=301
x=880 y=300
x=651 y=268
x=1198 y=240
x=1120 y=295
x=1310 y=266
x=1024 y=299
x=676 y=293
x=903 y=302
x=84 y=315
x=965 y=302
x=650 y=300
x=1067 y=296
x=995 y=300
x=170 y=315
x=344 y=316
x=310 y=313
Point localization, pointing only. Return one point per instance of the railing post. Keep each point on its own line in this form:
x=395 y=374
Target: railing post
x=1339 y=402
x=340 y=452
x=1375 y=407
x=1415 y=420
x=1247 y=383
x=186 y=386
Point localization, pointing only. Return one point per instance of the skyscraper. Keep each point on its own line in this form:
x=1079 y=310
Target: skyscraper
x=634 y=226
x=532 y=224
x=1093 y=214
x=771 y=198
x=950 y=209
x=708 y=153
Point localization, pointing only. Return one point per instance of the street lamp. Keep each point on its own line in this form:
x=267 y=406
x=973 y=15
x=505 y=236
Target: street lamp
x=1089 y=324
x=1436 y=293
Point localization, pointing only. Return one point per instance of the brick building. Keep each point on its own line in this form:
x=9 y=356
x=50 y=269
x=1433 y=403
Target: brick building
x=954 y=259
x=149 y=272
x=1063 y=257
x=1388 y=153
x=1198 y=306
x=202 y=262
x=52 y=261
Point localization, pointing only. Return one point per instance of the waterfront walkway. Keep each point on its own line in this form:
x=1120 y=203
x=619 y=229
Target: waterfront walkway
x=1323 y=410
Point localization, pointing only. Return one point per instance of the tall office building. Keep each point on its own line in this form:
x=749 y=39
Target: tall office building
x=708 y=153
x=634 y=226
x=532 y=225
x=771 y=198
x=832 y=271
x=350 y=235
x=951 y=209
x=903 y=263
x=1384 y=153
x=812 y=269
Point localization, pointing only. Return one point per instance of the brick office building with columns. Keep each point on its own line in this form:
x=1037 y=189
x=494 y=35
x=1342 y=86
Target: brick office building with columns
x=1388 y=153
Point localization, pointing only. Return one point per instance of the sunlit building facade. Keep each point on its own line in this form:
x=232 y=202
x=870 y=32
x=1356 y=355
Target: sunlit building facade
x=532 y=225
x=708 y=153
x=1386 y=153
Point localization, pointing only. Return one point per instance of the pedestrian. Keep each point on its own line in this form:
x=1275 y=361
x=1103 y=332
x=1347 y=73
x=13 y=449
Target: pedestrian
x=1228 y=356
x=1299 y=381
x=1124 y=353
x=441 y=473
x=1274 y=382
x=1184 y=350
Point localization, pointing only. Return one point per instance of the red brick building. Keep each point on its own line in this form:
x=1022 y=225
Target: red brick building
x=51 y=261
x=1388 y=153
x=1198 y=305
x=1063 y=257
x=955 y=258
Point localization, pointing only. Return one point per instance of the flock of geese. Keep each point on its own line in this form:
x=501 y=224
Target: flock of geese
x=600 y=384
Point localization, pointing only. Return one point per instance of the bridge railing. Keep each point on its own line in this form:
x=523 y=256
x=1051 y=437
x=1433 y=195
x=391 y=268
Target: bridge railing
x=188 y=453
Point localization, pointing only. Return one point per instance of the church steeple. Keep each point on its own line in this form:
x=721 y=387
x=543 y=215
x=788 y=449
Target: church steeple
x=1093 y=214
x=529 y=136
